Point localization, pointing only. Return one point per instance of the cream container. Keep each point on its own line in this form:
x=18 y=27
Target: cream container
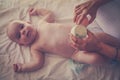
x=79 y=31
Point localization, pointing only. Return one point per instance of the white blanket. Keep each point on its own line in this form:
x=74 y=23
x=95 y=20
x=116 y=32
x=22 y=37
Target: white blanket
x=55 y=67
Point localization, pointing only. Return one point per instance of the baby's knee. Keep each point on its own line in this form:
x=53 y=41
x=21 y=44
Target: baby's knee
x=89 y=58
x=97 y=59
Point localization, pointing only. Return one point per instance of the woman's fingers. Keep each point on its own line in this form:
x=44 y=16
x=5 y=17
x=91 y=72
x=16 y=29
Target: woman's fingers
x=73 y=40
x=79 y=16
x=79 y=10
x=80 y=19
x=75 y=18
x=84 y=9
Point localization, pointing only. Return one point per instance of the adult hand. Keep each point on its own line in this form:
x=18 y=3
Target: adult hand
x=82 y=10
x=91 y=43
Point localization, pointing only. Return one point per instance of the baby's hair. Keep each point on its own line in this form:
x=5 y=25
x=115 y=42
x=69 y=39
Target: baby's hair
x=7 y=28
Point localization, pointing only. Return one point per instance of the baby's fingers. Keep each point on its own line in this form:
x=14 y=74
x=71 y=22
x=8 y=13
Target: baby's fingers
x=32 y=11
x=17 y=67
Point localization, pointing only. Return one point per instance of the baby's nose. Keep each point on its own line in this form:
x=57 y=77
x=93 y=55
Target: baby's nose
x=23 y=32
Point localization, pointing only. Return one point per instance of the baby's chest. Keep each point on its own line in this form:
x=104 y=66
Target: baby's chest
x=52 y=45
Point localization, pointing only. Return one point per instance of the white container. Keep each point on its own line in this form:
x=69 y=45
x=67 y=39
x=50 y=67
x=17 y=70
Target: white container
x=79 y=31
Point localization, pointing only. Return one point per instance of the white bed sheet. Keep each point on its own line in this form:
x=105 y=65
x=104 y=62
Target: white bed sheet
x=55 y=67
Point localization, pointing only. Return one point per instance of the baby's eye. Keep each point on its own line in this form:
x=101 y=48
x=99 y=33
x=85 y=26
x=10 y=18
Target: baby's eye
x=21 y=26
x=18 y=36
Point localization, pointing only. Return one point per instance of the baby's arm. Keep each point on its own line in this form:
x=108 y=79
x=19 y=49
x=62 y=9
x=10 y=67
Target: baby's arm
x=47 y=14
x=36 y=63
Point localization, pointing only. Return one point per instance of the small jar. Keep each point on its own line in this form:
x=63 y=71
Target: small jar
x=79 y=31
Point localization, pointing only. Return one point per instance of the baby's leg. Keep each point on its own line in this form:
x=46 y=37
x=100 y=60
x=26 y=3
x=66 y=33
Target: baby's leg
x=89 y=57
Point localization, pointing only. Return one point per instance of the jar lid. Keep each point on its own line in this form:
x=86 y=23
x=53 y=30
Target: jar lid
x=79 y=31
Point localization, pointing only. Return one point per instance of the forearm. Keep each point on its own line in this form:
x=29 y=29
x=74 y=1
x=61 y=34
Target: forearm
x=43 y=12
x=110 y=51
x=36 y=62
x=100 y=2
x=47 y=15
x=31 y=66
x=108 y=39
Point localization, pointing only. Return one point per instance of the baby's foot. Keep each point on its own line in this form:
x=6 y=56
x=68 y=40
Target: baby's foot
x=17 y=67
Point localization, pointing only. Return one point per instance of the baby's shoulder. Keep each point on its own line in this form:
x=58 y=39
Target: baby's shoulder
x=42 y=21
x=36 y=47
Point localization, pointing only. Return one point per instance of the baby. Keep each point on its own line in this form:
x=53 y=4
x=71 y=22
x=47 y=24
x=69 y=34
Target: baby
x=48 y=37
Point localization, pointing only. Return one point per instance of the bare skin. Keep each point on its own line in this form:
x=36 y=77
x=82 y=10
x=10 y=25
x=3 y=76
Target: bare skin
x=48 y=37
x=88 y=8
x=102 y=43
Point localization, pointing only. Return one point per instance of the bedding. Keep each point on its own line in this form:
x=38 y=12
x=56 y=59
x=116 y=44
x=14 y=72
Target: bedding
x=55 y=67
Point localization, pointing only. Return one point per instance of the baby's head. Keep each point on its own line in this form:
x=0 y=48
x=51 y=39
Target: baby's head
x=21 y=32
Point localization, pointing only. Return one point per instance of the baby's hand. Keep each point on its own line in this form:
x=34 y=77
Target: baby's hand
x=33 y=11
x=17 y=67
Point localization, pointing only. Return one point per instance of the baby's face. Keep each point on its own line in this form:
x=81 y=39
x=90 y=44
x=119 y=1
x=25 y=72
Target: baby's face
x=21 y=32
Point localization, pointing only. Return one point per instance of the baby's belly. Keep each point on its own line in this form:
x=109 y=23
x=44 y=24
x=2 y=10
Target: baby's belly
x=58 y=41
x=65 y=52
x=63 y=49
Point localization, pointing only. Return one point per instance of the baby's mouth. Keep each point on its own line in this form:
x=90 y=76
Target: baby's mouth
x=28 y=34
